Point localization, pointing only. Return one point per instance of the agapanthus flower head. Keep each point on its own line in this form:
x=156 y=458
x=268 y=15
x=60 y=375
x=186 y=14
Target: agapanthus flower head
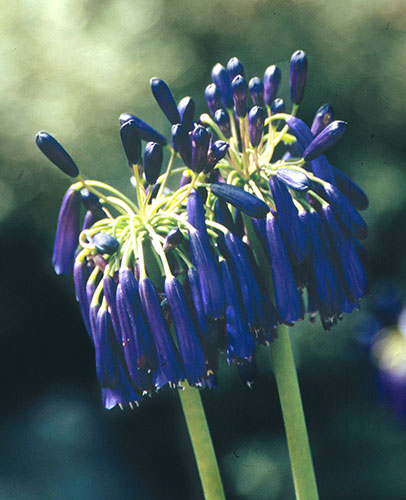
x=261 y=230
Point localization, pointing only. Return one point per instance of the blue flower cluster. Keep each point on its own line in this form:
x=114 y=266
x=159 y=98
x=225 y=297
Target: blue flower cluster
x=169 y=281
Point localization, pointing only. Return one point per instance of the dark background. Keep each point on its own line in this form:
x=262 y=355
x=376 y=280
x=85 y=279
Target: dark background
x=71 y=67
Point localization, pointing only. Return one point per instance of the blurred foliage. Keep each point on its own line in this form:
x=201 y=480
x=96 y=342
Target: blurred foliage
x=71 y=67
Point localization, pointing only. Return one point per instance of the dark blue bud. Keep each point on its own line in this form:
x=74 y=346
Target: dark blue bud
x=203 y=193
x=186 y=108
x=169 y=369
x=131 y=139
x=51 y=148
x=287 y=299
x=89 y=220
x=182 y=144
x=92 y=203
x=297 y=76
x=153 y=156
x=239 y=89
x=213 y=98
x=105 y=350
x=147 y=133
x=240 y=343
x=348 y=215
x=105 y=243
x=200 y=147
x=294 y=179
x=278 y=106
x=256 y=88
x=327 y=138
x=222 y=119
x=256 y=120
x=244 y=201
x=272 y=80
x=67 y=232
x=165 y=100
x=217 y=152
x=191 y=352
x=173 y=239
x=220 y=78
x=234 y=68
x=323 y=117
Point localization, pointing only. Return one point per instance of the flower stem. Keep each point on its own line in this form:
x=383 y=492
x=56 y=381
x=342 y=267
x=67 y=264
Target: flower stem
x=293 y=417
x=202 y=444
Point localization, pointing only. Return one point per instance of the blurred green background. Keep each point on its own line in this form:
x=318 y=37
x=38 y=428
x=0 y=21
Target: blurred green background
x=71 y=67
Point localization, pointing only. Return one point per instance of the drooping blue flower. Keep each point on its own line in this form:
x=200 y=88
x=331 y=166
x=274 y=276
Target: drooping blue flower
x=165 y=100
x=323 y=117
x=223 y=215
x=80 y=277
x=186 y=108
x=147 y=133
x=272 y=80
x=106 y=355
x=169 y=370
x=220 y=78
x=289 y=218
x=196 y=214
x=350 y=190
x=287 y=299
x=51 y=148
x=240 y=343
x=110 y=291
x=297 y=76
x=67 y=232
x=191 y=352
x=210 y=283
x=200 y=315
x=123 y=393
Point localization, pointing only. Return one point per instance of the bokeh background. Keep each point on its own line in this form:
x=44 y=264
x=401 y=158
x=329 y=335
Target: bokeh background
x=71 y=67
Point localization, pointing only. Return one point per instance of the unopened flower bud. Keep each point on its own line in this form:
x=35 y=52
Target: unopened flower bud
x=200 y=146
x=213 y=98
x=234 y=68
x=222 y=119
x=131 y=139
x=105 y=243
x=256 y=88
x=51 y=148
x=272 y=80
x=277 y=106
x=327 y=138
x=240 y=89
x=182 y=144
x=323 y=117
x=147 y=133
x=219 y=76
x=256 y=120
x=153 y=157
x=165 y=100
x=186 y=108
x=297 y=76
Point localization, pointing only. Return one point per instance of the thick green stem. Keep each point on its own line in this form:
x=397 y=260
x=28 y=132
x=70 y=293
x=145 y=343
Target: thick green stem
x=201 y=443
x=293 y=417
